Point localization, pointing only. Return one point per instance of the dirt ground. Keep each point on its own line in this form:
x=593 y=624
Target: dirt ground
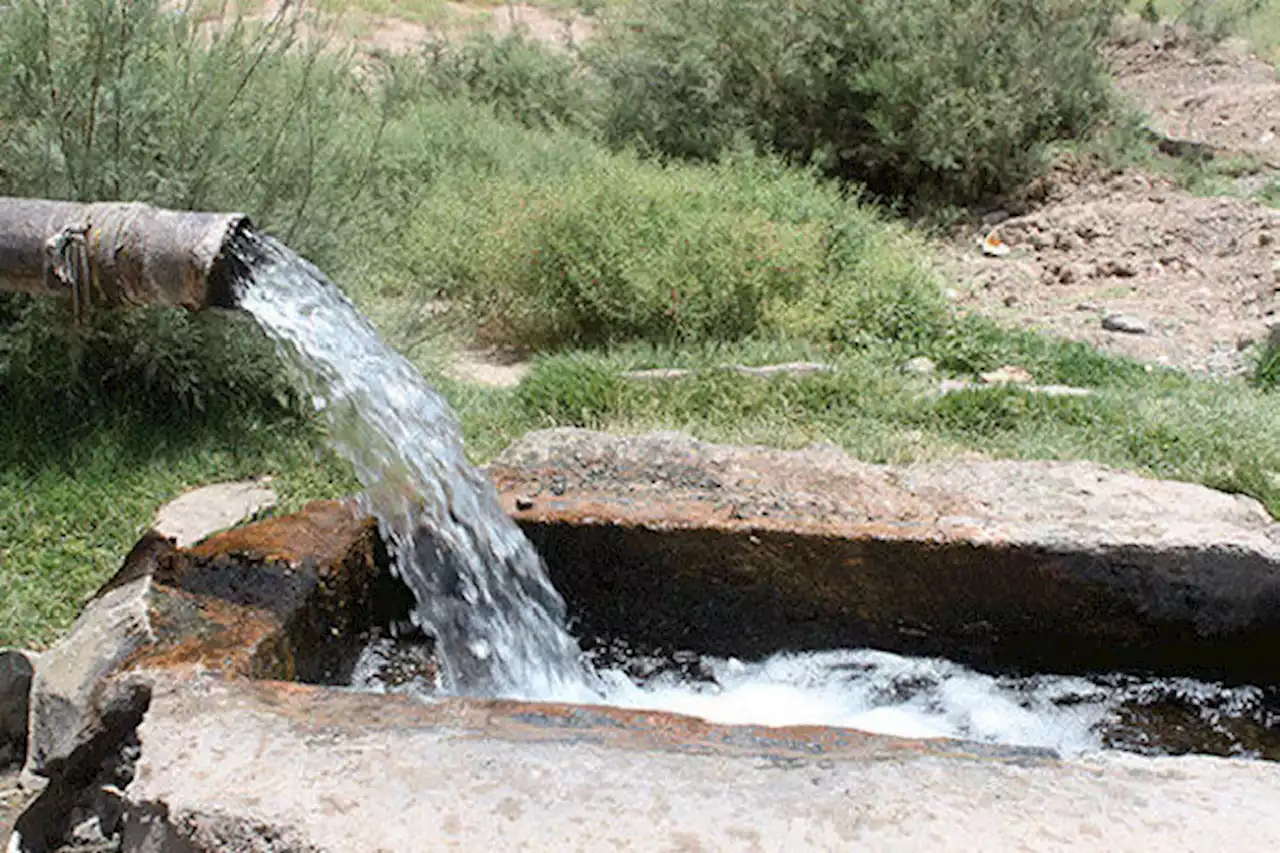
x=1195 y=279
x=1198 y=273
x=1225 y=97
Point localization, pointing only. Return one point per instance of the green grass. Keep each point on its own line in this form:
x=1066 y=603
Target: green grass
x=1160 y=423
x=76 y=491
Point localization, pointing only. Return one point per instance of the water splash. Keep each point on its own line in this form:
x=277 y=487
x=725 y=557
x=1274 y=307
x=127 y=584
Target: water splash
x=481 y=588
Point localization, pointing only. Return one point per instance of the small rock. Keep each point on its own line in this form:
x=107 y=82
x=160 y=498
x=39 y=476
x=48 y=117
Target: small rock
x=524 y=503
x=920 y=365
x=951 y=386
x=1010 y=300
x=202 y=512
x=657 y=374
x=1060 y=390
x=1008 y=374
x=1117 y=268
x=1091 y=230
x=790 y=368
x=1127 y=323
x=995 y=217
x=951 y=294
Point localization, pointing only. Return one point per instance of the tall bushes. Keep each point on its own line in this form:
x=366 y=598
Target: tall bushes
x=126 y=99
x=941 y=99
x=612 y=248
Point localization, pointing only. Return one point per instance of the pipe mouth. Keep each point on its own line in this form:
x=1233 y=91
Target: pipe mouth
x=230 y=265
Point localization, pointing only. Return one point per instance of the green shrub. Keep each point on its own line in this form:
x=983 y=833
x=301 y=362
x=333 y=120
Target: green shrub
x=950 y=99
x=108 y=99
x=150 y=361
x=610 y=248
x=520 y=77
x=1266 y=370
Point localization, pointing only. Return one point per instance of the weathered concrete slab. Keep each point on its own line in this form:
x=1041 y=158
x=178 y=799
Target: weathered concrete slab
x=1056 y=566
x=202 y=512
x=285 y=598
x=288 y=598
x=259 y=766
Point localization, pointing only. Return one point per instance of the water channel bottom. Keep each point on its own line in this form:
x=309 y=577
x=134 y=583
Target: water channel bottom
x=499 y=625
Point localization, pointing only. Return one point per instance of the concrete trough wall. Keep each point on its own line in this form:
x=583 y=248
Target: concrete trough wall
x=1041 y=566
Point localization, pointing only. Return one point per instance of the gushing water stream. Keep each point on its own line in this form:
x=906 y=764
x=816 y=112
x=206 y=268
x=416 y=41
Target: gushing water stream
x=499 y=626
x=481 y=588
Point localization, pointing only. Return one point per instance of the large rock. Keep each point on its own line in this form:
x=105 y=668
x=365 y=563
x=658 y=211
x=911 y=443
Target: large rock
x=286 y=598
x=266 y=767
x=67 y=688
x=15 y=692
x=289 y=598
x=1059 y=566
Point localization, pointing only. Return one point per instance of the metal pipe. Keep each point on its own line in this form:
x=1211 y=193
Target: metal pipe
x=115 y=253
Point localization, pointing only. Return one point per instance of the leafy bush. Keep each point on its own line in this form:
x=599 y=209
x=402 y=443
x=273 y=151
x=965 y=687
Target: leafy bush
x=610 y=248
x=949 y=99
x=107 y=99
x=520 y=77
x=151 y=361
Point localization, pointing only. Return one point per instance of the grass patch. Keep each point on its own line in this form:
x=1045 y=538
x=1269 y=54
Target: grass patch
x=1159 y=423
x=77 y=489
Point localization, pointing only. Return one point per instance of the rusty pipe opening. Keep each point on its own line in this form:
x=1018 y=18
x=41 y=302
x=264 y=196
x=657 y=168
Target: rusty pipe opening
x=117 y=254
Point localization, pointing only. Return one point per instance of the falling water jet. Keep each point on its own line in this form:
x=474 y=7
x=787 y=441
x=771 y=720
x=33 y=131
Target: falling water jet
x=481 y=588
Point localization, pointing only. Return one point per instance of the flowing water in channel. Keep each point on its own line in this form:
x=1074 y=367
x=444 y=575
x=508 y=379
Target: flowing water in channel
x=499 y=626
x=481 y=588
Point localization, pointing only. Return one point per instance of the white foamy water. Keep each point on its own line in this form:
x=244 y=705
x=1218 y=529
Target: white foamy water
x=863 y=689
x=883 y=693
x=481 y=588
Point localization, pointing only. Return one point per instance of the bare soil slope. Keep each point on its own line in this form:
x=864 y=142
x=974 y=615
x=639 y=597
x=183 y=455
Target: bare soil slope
x=1199 y=273
x=1225 y=97
x=1197 y=279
